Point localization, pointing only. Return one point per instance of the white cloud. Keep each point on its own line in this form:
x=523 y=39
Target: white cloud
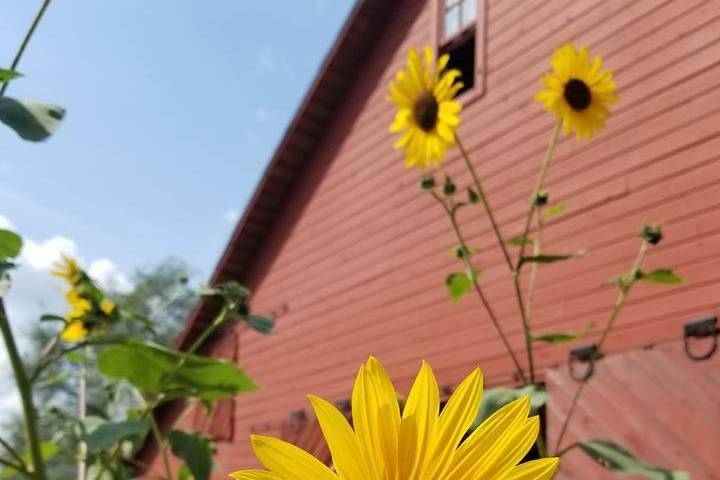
x=106 y=273
x=231 y=215
x=6 y=223
x=35 y=292
x=42 y=255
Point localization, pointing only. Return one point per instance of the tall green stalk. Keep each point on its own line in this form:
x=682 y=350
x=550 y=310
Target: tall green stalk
x=24 y=387
x=469 y=268
x=515 y=268
x=625 y=286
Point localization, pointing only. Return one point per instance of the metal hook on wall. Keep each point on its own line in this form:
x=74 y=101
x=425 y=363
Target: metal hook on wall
x=587 y=355
x=701 y=328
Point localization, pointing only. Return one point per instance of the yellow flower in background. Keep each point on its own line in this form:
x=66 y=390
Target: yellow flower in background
x=74 y=331
x=417 y=444
x=67 y=269
x=107 y=306
x=578 y=91
x=79 y=307
x=427 y=114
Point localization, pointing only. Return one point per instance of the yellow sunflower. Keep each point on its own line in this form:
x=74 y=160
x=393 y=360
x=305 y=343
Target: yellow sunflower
x=107 y=306
x=418 y=444
x=427 y=113
x=67 y=269
x=79 y=306
x=578 y=91
x=74 y=331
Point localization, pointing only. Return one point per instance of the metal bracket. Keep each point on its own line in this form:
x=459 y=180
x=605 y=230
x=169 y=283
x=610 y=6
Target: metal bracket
x=702 y=328
x=588 y=355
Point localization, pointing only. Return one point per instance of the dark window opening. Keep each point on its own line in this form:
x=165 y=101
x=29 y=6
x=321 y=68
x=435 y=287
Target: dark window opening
x=462 y=57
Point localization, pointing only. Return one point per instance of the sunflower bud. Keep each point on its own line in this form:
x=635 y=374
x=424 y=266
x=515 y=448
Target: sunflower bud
x=540 y=198
x=427 y=182
x=652 y=234
x=449 y=187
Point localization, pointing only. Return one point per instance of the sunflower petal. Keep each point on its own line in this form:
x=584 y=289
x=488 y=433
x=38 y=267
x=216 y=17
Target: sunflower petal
x=254 y=475
x=477 y=449
x=454 y=422
x=542 y=469
x=341 y=440
x=419 y=419
x=288 y=461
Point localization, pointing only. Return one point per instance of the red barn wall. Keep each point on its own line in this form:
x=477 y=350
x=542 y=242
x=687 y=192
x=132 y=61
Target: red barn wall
x=357 y=262
x=659 y=404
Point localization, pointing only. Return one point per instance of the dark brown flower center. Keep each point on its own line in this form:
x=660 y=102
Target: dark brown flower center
x=425 y=111
x=577 y=94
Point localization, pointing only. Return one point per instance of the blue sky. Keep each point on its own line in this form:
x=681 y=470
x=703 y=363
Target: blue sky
x=173 y=110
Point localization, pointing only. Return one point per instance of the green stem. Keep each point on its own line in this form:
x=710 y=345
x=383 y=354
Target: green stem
x=469 y=268
x=82 y=409
x=625 y=286
x=567 y=449
x=161 y=445
x=544 y=167
x=43 y=363
x=23 y=384
x=15 y=466
x=14 y=454
x=25 y=42
x=534 y=268
x=539 y=181
x=485 y=202
x=150 y=406
x=532 y=284
x=219 y=320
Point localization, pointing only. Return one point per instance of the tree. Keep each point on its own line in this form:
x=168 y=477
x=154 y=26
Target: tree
x=162 y=296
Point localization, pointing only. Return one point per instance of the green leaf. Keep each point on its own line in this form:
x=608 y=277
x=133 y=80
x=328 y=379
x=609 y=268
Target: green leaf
x=76 y=357
x=473 y=196
x=616 y=459
x=49 y=317
x=233 y=294
x=108 y=434
x=7 y=75
x=34 y=121
x=153 y=368
x=458 y=284
x=661 y=275
x=184 y=473
x=260 y=323
x=554 y=211
x=547 y=258
x=495 y=398
x=519 y=241
x=563 y=337
x=197 y=452
x=10 y=244
x=54 y=380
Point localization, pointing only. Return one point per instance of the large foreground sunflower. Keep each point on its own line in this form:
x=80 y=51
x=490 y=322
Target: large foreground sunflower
x=417 y=444
x=578 y=91
x=427 y=115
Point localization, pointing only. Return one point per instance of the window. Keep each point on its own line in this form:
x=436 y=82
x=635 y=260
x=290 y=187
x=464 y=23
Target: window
x=458 y=15
x=461 y=33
